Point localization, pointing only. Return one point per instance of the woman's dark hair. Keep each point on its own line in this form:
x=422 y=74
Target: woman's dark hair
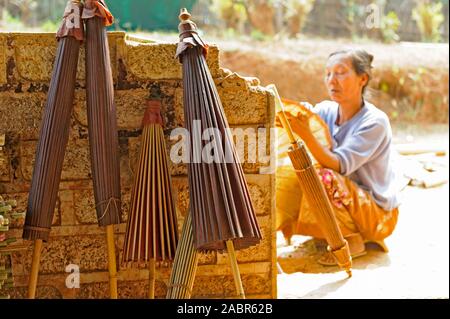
x=361 y=61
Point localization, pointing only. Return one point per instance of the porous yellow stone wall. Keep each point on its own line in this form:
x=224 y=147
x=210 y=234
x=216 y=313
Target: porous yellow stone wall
x=26 y=62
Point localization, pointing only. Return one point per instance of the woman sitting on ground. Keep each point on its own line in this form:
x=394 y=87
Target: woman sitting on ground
x=357 y=172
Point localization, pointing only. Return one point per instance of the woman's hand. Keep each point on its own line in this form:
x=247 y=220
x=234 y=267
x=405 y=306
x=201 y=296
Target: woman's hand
x=299 y=125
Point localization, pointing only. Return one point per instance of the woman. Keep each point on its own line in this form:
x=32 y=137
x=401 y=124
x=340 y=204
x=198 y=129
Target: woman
x=357 y=172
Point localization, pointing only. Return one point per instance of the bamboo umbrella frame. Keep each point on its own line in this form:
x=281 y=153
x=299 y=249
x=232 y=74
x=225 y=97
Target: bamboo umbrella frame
x=315 y=194
x=185 y=264
x=53 y=138
x=288 y=191
x=151 y=234
x=223 y=218
x=102 y=125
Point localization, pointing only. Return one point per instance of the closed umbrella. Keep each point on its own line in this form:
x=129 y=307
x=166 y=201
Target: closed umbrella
x=315 y=194
x=151 y=234
x=53 y=137
x=102 y=125
x=222 y=212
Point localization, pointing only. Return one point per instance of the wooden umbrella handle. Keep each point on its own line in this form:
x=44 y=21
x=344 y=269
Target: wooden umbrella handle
x=235 y=270
x=111 y=261
x=32 y=284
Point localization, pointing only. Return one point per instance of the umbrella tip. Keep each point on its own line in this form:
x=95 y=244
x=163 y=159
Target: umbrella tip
x=184 y=14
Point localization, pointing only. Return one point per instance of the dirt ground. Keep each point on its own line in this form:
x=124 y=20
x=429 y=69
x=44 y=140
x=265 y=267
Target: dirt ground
x=417 y=265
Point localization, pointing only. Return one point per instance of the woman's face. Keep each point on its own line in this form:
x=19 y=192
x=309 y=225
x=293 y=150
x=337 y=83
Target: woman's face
x=343 y=84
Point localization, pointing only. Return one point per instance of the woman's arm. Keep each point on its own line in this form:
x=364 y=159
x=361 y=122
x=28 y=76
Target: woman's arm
x=323 y=155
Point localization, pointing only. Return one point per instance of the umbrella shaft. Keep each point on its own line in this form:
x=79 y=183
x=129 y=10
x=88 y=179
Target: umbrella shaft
x=235 y=270
x=282 y=116
x=151 y=278
x=111 y=261
x=34 y=269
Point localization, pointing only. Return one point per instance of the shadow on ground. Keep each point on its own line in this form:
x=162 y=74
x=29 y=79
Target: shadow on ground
x=303 y=257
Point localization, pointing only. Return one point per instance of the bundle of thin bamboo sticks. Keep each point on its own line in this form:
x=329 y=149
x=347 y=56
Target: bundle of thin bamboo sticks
x=185 y=264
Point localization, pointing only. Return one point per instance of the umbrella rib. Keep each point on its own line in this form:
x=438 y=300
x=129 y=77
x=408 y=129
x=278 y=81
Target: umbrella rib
x=137 y=199
x=165 y=247
x=149 y=156
x=154 y=205
x=171 y=217
x=160 y=197
x=140 y=212
x=147 y=173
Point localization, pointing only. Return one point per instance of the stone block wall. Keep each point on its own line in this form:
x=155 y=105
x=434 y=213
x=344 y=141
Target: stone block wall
x=26 y=62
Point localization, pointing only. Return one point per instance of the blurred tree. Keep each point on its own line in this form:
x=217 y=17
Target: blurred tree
x=429 y=18
x=351 y=10
x=232 y=12
x=261 y=14
x=270 y=17
x=296 y=13
x=26 y=8
x=32 y=13
x=389 y=27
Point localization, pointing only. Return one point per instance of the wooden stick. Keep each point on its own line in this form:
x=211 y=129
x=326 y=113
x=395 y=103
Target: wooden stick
x=235 y=270
x=34 y=269
x=151 y=278
x=111 y=261
x=283 y=119
x=416 y=148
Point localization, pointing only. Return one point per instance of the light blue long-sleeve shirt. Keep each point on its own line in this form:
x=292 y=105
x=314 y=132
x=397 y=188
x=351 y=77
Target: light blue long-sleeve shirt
x=363 y=145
